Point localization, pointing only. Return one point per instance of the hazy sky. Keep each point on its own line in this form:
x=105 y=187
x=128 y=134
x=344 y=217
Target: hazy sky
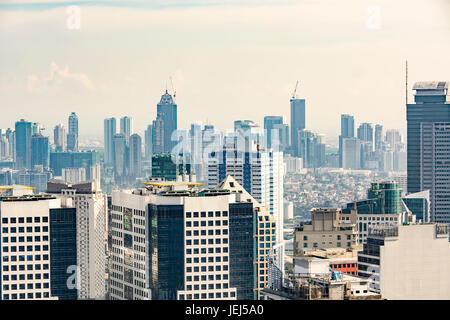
x=228 y=60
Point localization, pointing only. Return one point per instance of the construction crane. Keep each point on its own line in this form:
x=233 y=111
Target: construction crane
x=295 y=90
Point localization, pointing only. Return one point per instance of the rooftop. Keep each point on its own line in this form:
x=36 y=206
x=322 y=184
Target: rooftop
x=430 y=85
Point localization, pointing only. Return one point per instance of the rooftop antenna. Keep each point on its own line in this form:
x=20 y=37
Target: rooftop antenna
x=173 y=89
x=406 y=84
x=295 y=90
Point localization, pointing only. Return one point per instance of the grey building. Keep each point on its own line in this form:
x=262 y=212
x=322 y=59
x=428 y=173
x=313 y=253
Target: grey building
x=269 y=126
x=126 y=127
x=109 y=132
x=347 y=131
x=297 y=122
x=167 y=111
x=428 y=151
x=72 y=136
x=135 y=146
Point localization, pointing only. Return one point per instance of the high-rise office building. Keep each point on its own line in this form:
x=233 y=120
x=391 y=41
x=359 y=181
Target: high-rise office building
x=167 y=111
x=378 y=137
x=135 y=150
x=59 y=138
x=311 y=149
x=23 y=136
x=347 y=131
x=40 y=151
x=158 y=135
x=109 y=133
x=169 y=166
x=120 y=155
x=85 y=159
x=171 y=241
x=297 y=122
x=259 y=171
x=428 y=152
x=39 y=252
x=126 y=127
x=148 y=142
x=351 y=153
x=72 y=135
x=365 y=133
x=90 y=238
x=272 y=135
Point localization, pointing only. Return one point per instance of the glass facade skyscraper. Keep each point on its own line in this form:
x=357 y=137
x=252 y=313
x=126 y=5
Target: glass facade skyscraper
x=40 y=151
x=167 y=111
x=297 y=122
x=428 y=150
x=23 y=135
x=269 y=127
x=72 y=135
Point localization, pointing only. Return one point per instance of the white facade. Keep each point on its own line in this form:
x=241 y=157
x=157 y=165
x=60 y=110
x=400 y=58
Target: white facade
x=260 y=172
x=25 y=219
x=413 y=263
x=74 y=175
x=206 y=229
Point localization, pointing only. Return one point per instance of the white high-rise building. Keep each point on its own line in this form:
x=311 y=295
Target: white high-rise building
x=259 y=171
x=38 y=247
x=73 y=175
x=174 y=241
x=90 y=204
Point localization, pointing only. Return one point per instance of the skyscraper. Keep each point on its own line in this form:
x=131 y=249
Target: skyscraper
x=23 y=144
x=297 y=122
x=171 y=241
x=347 y=126
x=428 y=152
x=365 y=132
x=135 y=146
x=109 y=132
x=72 y=136
x=59 y=138
x=167 y=111
x=126 y=127
x=90 y=225
x=270 y=132
x=148 y=141
x=50 y=257
x=120 y=157
x=40 y=151
x=158 y=135
x=378 y=136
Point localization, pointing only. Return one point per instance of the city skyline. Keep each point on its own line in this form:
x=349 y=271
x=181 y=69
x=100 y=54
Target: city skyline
x=214 y=68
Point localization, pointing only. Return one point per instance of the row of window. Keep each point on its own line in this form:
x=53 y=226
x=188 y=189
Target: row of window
x=29 y=286
x=30 y=276
x=22 y=229
x=204 y=277
x=203 y=259
x=210 y=295
x=22 y=248
x=203 y=241
x=217 y=232
x=22 y=220
x=22 y=239
x=203 y=223
x=29 y=267
x=36 y=295
x=203 y=214
x=28 y=257
x=203 y=269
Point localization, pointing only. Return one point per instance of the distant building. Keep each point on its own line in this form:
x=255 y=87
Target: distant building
x=169 y=167
x=407 y=262
x=298 y=120
x=40 y=151
x=74 y=175
x=109 y=133
x=148 y=142
x=126 y=127
x=23 y=134
x=167 y=112
x=72 y=135
x=135 y=149
x=351 y=153
x=347 y=131
x=85 y=159
x=59 y=138
x=272 y=134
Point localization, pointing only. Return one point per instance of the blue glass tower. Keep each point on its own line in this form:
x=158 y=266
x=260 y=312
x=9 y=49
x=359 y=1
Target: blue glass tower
x=40 y=151
x=23 y=144
x=167 y=111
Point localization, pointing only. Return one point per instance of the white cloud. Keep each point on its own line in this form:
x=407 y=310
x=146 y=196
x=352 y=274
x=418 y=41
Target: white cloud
x=55 y=79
